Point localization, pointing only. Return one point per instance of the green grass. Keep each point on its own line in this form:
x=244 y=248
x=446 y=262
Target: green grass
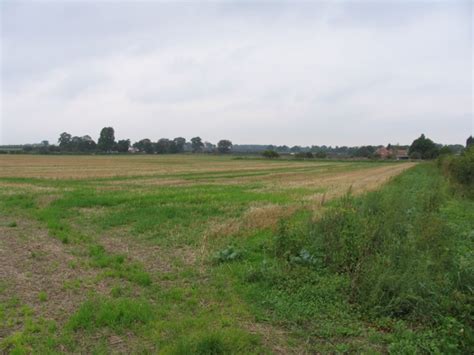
x=118 y=314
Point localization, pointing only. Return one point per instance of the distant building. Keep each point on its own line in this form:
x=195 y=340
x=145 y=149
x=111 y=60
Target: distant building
x=401 y=154
x=392 y=153
x=384 y=153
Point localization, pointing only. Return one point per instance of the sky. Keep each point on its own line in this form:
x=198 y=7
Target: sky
x=255 y=72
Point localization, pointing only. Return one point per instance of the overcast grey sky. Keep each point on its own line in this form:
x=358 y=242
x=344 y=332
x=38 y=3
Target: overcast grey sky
x=269 y=72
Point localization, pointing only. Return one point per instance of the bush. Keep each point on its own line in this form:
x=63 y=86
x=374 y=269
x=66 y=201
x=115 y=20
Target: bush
x=460 y=169
x=270 y=154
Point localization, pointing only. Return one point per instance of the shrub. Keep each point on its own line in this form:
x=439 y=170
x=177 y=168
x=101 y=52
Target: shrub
x=270 y=154
x=460 y=169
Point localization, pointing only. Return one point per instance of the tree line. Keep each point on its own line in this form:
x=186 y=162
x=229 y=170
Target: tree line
x=108 y=144
x=421 y=148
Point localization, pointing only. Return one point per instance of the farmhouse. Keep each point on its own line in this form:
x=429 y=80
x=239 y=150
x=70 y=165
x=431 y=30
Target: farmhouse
x=401 y=154
x=383 y=152
x=392 y=153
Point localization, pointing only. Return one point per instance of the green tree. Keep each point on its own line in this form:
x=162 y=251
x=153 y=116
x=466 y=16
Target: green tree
x=179 y=143
x=106 y=141
x=87 y=144
x=469 y=142
x=144 y=146
x=424 y=148
x=224 y=146
x=163 y=146
x=197 y=144
x=64 y=141
x=365 y=151
x=75 y=144
x=445 y=150
x=123 y=145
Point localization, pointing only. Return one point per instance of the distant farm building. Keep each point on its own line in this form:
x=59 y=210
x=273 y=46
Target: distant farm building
x=392 y=153
x=384 y=153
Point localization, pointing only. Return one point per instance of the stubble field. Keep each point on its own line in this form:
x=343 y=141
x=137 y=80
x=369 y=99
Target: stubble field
x=153 y=253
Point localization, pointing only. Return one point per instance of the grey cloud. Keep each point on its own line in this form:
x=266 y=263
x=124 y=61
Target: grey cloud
x=356 y=72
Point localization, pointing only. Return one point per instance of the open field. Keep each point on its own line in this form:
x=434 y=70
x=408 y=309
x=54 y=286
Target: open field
x=165 y=253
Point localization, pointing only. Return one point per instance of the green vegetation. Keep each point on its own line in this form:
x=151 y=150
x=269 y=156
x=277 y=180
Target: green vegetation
x=43 y=296
x=196 y=262
x=118 y=314
x=403 y=255
x=423 y=148
x=270 y=154
x=460 y=169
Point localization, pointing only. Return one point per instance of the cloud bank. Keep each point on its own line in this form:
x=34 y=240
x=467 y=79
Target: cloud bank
x=334 y=73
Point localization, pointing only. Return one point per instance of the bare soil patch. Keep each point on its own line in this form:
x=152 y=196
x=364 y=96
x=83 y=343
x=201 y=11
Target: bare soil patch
x=32 y=262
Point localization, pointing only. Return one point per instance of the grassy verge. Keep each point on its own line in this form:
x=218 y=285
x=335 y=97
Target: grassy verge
x=391 y=270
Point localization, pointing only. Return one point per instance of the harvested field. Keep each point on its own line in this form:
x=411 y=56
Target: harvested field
x=86 y=239
x=83 y=167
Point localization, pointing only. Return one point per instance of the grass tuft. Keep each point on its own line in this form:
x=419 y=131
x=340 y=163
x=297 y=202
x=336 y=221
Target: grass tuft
x=119 y=314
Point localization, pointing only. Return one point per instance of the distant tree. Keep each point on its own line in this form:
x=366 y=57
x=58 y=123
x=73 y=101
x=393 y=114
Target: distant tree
x=209 y=147
x=224 y=146
x=295 y=149
x=179 y=143
x=270 y=154
x=197 y=145
x=424 y=147
x=304 y=155
x=75 y=144
x=172 y=147
x=123 y=145
x=87 y=144
x=163 y=146
x=456 y=148
x=320 y=155
x=106 y=141
x=469 y=142
x=64 y=141
x=365 y=151
x=43 y=149
x=445 y=150
x=283 y=149
x=144 y=146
